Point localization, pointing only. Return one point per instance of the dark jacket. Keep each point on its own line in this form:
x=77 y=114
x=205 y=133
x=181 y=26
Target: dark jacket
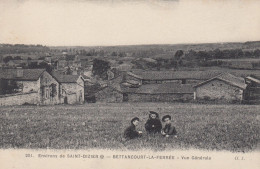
x=153 y=122
x=131 y=133
x=169 y=129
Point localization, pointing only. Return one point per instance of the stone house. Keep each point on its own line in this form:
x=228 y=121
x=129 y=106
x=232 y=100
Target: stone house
x=222 y=88
x=165 y=92
x=71 y=88
x=31 y=81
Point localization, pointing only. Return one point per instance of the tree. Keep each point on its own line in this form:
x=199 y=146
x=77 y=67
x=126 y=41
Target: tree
x=8 y=87
x=45 y=66
x=178 y=54
x=17 y=58
x=100 y=68
x=68 y=71
x=114 y=54
x=41 y=58
x=7 y=59
x=33 y=65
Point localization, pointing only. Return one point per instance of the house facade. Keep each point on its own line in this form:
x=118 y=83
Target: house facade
x=49 y=89
x=26 y=82
x=223 y=88
x=71 y=88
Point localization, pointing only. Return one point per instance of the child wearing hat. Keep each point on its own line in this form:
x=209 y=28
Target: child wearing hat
x=131 y=132
x=153 y=124
x=169 y=129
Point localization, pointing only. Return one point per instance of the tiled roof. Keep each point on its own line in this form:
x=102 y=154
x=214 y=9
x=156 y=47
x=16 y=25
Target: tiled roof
x=165 y=88
x=65 y=78
x=195 y=74
x=172 y=75
x=229 y=78
x=28 y=74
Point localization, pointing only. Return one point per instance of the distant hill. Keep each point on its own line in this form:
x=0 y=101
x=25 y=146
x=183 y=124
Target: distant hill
x=168 y=47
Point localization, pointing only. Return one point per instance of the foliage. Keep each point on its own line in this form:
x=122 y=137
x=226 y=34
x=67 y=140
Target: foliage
x=100 y=68
x=45 y=66
x=178 y=54
x=21 y=48
x=68 y=71
x=7 y=59
x=41 y=58
x=8 y=87
x=17 y=58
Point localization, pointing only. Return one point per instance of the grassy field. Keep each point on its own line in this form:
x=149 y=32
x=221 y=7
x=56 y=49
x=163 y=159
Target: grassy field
x=212 y=127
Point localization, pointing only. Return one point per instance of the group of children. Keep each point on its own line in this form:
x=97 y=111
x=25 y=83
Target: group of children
x=152 y=126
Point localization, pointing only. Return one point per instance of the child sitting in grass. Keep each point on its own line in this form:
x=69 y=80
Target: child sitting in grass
x=169 y=129
x=153 y=124
x=131 y=132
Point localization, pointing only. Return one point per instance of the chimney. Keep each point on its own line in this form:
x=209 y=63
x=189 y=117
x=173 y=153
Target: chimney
x=19 y=72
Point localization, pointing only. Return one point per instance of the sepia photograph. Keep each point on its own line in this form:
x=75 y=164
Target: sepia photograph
x=143 y=84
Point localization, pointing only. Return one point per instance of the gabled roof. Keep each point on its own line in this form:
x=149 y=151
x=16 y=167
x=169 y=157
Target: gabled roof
x=174 y=75
x=252 y=78
x=115 y=88
x=165 y=88
x=65 y=78
x=134 y=75
x=228 y=78
x=28 y=74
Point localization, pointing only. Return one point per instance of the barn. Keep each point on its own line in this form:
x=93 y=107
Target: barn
x=182 y=77
x=222 y=88
x=165 y=92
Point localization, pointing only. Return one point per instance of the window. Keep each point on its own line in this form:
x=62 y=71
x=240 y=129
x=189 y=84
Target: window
x=47 y=94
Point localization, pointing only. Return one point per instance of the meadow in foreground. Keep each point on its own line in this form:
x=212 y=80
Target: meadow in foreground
x=206 y=127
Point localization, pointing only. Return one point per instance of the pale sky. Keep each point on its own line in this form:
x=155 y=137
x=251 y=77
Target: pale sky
x=123 y=22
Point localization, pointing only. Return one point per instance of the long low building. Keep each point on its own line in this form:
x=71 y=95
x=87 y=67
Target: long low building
x=165 y=92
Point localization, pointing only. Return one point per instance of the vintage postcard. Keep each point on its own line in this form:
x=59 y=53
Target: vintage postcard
x=129 y=84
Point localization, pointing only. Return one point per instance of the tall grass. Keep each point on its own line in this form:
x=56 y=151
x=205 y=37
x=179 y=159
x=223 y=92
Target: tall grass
x=211 y=127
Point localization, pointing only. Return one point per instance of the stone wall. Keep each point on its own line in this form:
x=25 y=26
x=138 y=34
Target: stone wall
x=137 y=97
x=109 y=95
x=19 y=99
x=28 y=86
x=218 y=90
